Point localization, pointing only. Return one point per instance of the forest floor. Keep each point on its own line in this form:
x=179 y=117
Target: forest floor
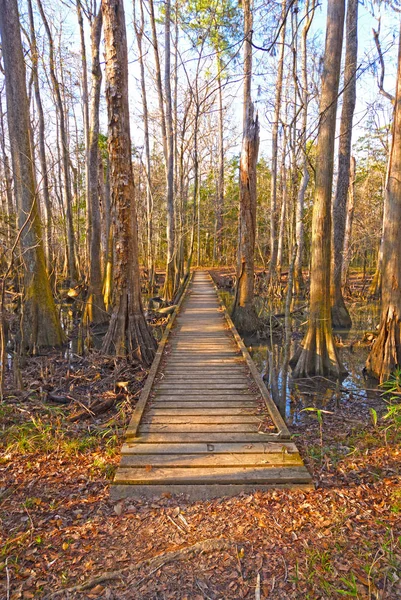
x=59 y=529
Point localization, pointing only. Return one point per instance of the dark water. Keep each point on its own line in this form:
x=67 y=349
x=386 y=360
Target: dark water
x=314 y=392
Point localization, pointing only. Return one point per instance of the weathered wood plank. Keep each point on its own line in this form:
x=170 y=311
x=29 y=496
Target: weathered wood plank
x=206 y=475
x=191 y=405
x=205 y=437
x=198 y=427
x=210 y=460
x=167 y=419
x=161 y=411
x=216 y=448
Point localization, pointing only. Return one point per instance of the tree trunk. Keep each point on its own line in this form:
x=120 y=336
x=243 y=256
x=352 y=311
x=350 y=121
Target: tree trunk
x=348 y=222
x=339 y=312
x=42 y=149
x=128 y=333
x=317 y=354
x=299 y=211
x=220 y=176
x=244 y=312
x=139 y=31
x=71 y=256
x=8 y=182
x=385 y=355
x=170 y=267
x=95 y=311
x=40 y=321
x=85 y=114
x=275 y=126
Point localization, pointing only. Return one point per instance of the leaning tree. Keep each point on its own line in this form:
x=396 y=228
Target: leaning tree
x=128 y=333
x=40 y=320
x=385 y=355
x=317 y=354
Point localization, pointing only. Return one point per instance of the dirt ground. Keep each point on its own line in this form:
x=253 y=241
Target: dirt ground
x=59 y=529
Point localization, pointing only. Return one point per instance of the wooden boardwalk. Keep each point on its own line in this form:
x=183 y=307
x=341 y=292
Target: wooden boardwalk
x=205 y=424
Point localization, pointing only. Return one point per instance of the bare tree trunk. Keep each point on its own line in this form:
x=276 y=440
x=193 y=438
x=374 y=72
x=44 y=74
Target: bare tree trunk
x=317 y=354
x=85 y=112
x=41 y=134
x=139 y=31
x=8 y=182
x=348 y=222
x=71 y=256
x=244 y=313
x=40 y=321
x=170 y=268
x=220 y=176
x=385 y=355
x=299 y=214
x=339 y=312
x=95 y=311
x=275 y=126
x=128 y=332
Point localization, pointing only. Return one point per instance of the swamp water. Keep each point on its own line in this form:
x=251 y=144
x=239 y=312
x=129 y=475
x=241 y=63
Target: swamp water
x=293 y=396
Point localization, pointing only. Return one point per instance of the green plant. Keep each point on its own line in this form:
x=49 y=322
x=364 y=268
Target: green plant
x=319 y=414
x=392 y=394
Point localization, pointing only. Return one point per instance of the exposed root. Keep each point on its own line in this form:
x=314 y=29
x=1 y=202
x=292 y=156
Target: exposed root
x=210 y=545
x=317 y=355
x=385 y=355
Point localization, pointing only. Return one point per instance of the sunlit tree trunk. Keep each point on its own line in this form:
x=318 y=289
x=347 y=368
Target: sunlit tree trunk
x=385 y=355
x=275 y=127
x=71 y=255
x=339 y=312
x=128 y=333
x=317 y=354
x=348 y=222
x=299 y=211
x=170 y=267
x=220 y=176
x=95 y=308
x=40 y=321
x=8 y=181
x=139 y=31
x=42 y=148
x=244 y=313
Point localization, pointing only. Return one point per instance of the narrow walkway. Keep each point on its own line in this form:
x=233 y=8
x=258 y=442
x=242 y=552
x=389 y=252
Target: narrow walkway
x=206 y=426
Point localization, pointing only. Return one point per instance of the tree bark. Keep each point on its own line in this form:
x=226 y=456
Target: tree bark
x=317 y=354
x=139 y=31
x=275 y=126
x=244 y=312
x=71 y=255
x=299 y=211
x=128 y=333
x=40 y=321
x=339 y=312
x=95 y=311
x=170 y=267
x=348 y=223
x=385 y=355
x=42 y=148
x=220 y=176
